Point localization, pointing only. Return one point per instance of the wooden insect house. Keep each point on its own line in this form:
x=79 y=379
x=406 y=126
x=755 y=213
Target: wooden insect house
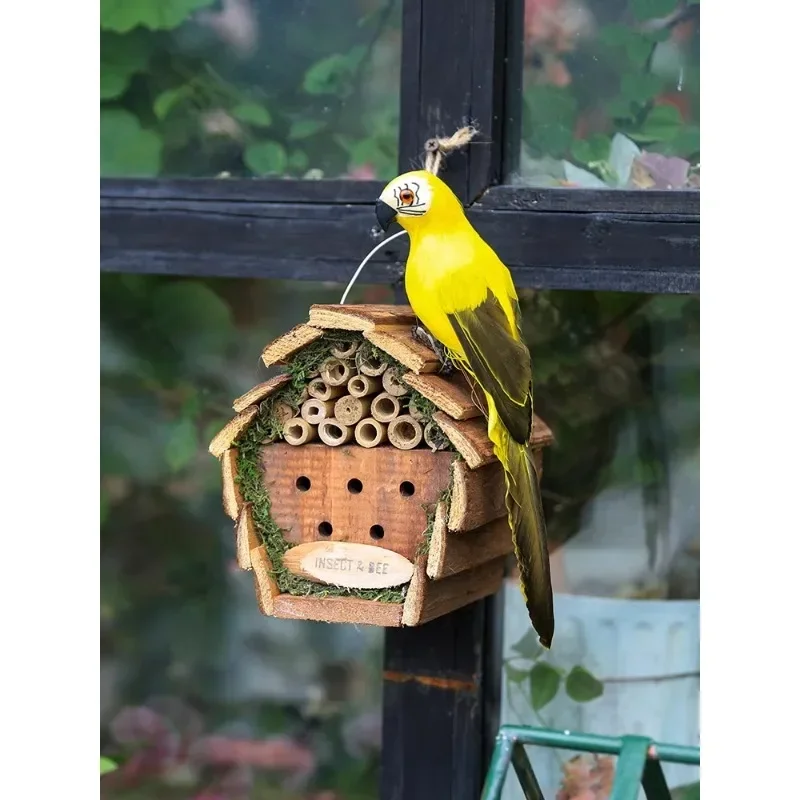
x=362 y=482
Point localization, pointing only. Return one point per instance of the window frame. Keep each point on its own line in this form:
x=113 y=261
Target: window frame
x=460 y=63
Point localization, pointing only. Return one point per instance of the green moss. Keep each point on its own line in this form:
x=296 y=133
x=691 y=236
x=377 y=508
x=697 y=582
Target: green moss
x=427 y=409
x=430 y=513
x=266 y=428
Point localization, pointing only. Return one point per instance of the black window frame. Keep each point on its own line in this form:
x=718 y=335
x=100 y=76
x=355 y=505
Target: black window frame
x=461 y=62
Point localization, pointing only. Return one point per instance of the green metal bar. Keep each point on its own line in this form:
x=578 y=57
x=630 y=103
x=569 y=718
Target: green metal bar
x=498 y=767
x=638 y=763
x=527 y=780
x=654 y=781
x=590 y=743
x=630 y=768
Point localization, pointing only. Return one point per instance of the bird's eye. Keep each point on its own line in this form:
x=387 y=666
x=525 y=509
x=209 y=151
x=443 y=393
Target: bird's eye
x=406 y=197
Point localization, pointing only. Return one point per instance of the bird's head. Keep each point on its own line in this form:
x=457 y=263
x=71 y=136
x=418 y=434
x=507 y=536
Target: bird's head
x=416 y=198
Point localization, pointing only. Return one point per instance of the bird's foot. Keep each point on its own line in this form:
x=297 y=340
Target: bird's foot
x=419 y=333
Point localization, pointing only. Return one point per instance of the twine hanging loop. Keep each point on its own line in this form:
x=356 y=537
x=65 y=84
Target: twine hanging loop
x=438 y=148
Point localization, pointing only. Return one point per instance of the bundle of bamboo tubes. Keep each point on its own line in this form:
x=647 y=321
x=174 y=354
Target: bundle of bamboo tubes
x=356 y=397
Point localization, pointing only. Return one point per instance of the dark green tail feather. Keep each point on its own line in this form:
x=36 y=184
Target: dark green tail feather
x=528 y=531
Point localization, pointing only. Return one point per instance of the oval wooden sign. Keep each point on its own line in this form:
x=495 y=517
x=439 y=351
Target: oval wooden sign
x=356 y=566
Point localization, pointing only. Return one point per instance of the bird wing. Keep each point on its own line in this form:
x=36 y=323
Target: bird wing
x=499 y=360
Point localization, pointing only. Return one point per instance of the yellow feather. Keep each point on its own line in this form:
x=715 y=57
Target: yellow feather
x=451 y=270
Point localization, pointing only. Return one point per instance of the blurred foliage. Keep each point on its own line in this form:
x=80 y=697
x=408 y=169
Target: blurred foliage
x=249 y=88
x=175 y=352
x=595 y=68
x=540 y=681
x=596 y=361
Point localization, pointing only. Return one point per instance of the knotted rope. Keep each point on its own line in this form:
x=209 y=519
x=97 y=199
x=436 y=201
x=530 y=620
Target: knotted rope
x=438 y=148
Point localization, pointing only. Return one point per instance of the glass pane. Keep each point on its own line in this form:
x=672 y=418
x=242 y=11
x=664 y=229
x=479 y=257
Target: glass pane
x=611 y=94
x=617 y=378
x=246 y=88
x=202 y=696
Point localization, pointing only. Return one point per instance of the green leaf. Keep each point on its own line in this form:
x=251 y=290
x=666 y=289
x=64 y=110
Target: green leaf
x=549 y=119
x=126 y=149
x=192 y=318
x=640 y=87
x=298 y=161
x=182 y=444
x=121 y=57
x=169 y=99
x=528 y=646
x=686 y=141
x=252 y=114
x=333 y=74
x=661 y=125
x=689 y=791
x=595 y=148
x=106 y=765
x=544 y=682
x=582 y=686
x=303 y=128
x=124 y=15
x=104 y=505
x=634 y=47
x=516 y=675
x=266 y=158
x=652 y=9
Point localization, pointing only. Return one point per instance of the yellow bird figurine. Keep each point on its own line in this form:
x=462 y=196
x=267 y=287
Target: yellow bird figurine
x=465 y=297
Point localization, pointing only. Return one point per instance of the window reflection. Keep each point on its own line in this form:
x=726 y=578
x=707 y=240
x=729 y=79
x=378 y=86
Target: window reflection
x=202 y=696
x=611 y=92
x=249 y=88
x=617 y=378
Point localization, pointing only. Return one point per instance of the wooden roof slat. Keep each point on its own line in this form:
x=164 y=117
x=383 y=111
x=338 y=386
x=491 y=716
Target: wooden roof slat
x=470 y=438
x=359 y=317
x=225 y=439
x=284 y=347
x=397 y=342
x=451 y=395
x=261 y=392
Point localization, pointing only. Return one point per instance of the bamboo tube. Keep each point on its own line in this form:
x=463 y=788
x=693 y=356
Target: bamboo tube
x=304 y=393
x=344 y=350
x=349 y=410
x=434 y=437
x=333 y=433
x=414 y=411
x=405 y=433
x=367 y=363
x=363 y=385
x=297 y=431
x=370 y=433
x=322 y=391
x=314 y=411
x=336 y=372
x=392 y=383
x=280 y=411
x=385 y=407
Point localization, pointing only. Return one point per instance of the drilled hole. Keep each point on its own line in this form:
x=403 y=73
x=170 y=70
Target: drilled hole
x=354 y=486
x=407 y=488
x=325 y=529
x=376 y=531
x=303 y=483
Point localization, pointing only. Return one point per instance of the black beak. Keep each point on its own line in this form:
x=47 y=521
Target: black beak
x=385 y=214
